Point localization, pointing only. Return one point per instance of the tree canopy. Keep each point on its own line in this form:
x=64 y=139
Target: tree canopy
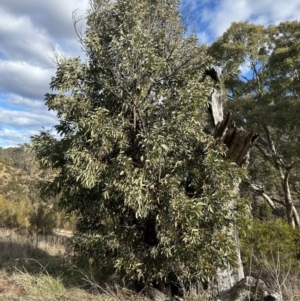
x=259 y=66
x=136 y=160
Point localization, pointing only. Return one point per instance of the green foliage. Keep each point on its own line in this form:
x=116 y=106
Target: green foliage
x=262 y=211
x=14 y=214
x=259 y=66
x=265 y=241
x=18 y=192
x=42 y=219
x=24 y=216
x=153 y=195
x=260 y=70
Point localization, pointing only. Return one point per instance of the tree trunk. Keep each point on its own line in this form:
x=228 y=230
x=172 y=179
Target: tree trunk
x=268 y=150
x=239 y=143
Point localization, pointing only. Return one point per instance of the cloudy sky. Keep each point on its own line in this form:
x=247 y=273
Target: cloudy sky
x=31 y=29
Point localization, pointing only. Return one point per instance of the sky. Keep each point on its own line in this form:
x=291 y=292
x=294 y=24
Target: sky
x=31 y=30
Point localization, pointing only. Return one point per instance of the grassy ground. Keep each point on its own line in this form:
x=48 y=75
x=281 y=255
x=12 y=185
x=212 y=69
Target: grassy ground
x=27 y=287
x=38 y=268
x=24 y=286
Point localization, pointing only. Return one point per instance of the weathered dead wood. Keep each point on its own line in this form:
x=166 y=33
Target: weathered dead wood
x=222 y=126
x=238 y=141
x=216 y=106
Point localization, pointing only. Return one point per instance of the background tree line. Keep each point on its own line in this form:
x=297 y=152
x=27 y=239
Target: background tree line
x=259 y=67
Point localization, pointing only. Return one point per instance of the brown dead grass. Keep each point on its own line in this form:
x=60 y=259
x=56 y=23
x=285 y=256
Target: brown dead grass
x=16 y=245
x=26 y=287
x=35 y=268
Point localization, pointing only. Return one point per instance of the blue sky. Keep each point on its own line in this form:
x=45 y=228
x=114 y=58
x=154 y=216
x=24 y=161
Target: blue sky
x=31 y=29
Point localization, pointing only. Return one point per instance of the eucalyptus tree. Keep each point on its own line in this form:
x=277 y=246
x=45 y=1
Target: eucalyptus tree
x=136 y=160
x=260 y=70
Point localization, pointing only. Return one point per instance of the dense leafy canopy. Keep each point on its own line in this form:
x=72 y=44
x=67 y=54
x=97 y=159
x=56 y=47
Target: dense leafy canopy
x=136 y=160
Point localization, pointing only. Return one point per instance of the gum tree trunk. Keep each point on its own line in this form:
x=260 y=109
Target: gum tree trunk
x=239 y=143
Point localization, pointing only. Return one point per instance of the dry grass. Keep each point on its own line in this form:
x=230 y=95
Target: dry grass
x=35 y=268
x=282 y=280
x=26 y=287
x=16 y=248
x=291 y=290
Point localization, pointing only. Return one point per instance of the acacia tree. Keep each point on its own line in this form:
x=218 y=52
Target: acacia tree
x=259 y=67
x=136 y=160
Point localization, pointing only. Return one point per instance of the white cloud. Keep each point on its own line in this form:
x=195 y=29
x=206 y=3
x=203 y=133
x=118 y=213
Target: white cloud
x=276 y=11
x=20 y=40
x=203 y=37
x=24 y=79
x=29 y=30
x=23 y=119
x=12 y=137
x=18 y=101
x=53 y=17
x=229 y=11
x=263 y=12
x=214 y=17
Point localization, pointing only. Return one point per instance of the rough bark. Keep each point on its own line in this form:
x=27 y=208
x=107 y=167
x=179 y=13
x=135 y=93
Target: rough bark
x=228 y=277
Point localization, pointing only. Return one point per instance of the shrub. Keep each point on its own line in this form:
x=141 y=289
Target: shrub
x=14 y=213
x=42 y=219
x=265 y=240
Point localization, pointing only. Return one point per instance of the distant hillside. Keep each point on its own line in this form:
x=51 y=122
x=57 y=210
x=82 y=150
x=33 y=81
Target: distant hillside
x=19 y=174
x=20 y=204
